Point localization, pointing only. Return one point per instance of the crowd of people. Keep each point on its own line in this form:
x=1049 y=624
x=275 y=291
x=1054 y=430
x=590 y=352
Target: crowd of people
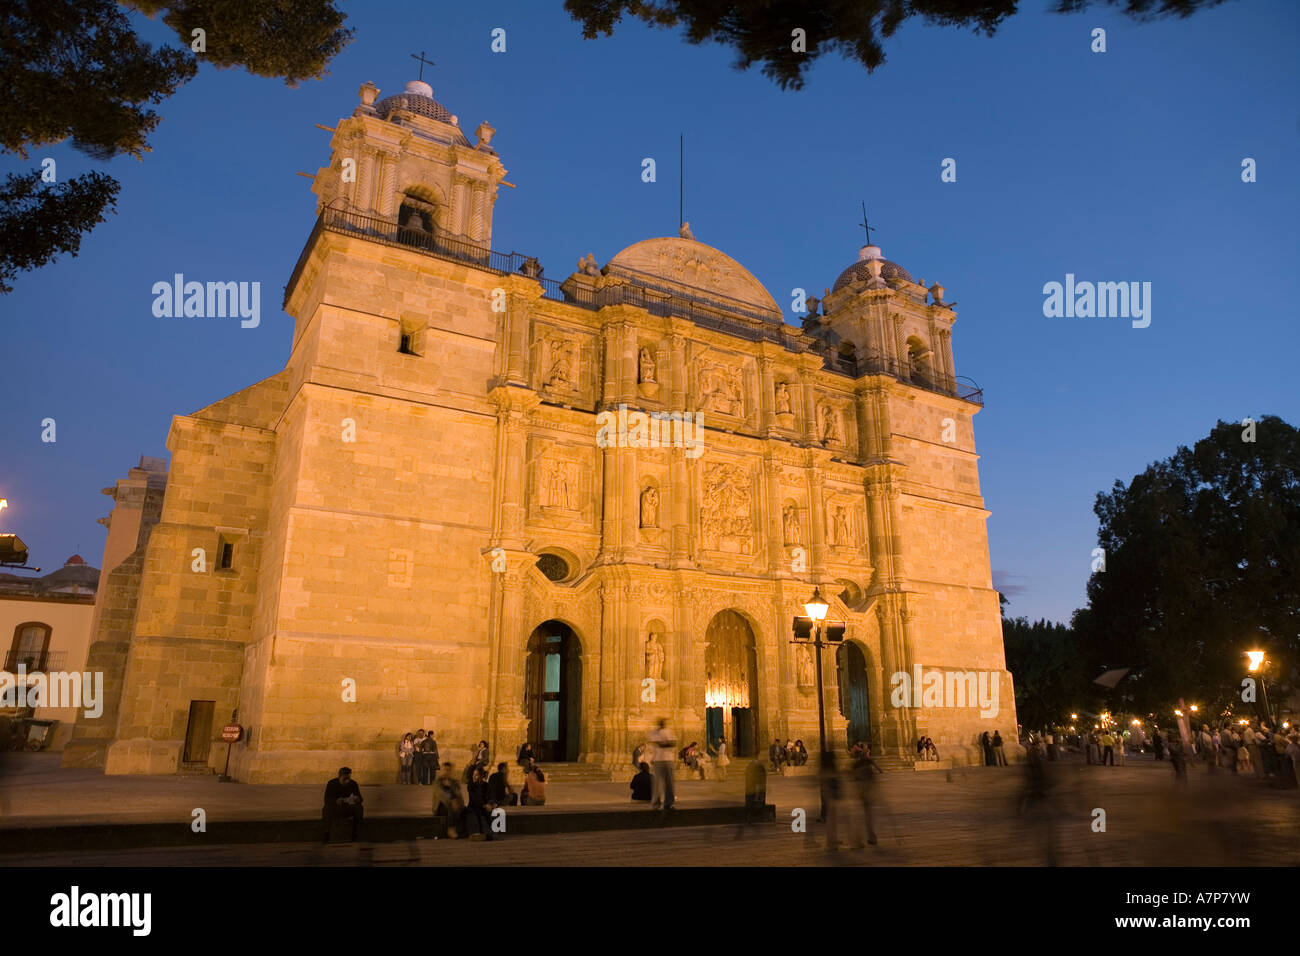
x=1247 y=747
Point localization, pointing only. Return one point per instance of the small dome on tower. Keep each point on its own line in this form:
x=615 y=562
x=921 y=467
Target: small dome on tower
x=76 y=559
x=859 y=271
x=418 y=99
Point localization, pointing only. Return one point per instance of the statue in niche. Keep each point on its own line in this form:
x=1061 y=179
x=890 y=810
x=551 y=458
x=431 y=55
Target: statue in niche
x=654 y=657
x=650 y=507
x=647 y=367
x=807 y=672
x=559 y=485
x=782 y=398
x=790 y=524
x=843 y=537
x=830 y=425
x=562 y=372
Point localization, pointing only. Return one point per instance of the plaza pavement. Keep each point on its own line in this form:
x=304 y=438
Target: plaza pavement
x=964 y=818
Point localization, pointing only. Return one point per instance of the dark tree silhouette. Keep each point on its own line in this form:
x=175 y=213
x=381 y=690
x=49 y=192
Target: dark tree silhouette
x=761 y=31
x=75 y=69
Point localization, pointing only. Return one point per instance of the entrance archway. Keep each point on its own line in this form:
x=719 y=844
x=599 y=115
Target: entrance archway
x=851 y=665
x=731 y=684
x=553 y=692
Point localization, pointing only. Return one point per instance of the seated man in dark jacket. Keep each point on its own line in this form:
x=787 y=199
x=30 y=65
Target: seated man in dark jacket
x=342 y=799
x=642 y=783
x=503 y=795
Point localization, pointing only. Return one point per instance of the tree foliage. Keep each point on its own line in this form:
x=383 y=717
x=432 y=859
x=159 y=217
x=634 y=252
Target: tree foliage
x=761 y=31
x=75 y=69
x=1049 y=670
x=39 y=221
x=1202 y=563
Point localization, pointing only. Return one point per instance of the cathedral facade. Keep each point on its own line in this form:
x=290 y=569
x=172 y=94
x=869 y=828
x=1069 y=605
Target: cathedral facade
x=499 y=505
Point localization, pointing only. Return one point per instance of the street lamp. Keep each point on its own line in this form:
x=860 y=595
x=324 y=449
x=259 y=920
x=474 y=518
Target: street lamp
x=816 y=608
x=1257 y=663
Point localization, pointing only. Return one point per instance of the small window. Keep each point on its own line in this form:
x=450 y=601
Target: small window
x=227 y=556
x=553 y=566
x=410 y=339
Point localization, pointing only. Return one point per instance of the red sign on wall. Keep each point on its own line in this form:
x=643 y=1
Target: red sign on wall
x=231 y=733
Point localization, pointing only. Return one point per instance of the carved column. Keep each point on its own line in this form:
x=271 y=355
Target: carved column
x=817 y=521
x=947 y=356
x=900 y=346
x=365 y=185
x=766 y=397
x=809 y=409
x=627 y=391
x=775 y=531
x=387 y=173
x=478 y=221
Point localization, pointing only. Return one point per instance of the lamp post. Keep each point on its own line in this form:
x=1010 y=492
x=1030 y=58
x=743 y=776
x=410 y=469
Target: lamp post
x=1257 y=663
x=816 y=608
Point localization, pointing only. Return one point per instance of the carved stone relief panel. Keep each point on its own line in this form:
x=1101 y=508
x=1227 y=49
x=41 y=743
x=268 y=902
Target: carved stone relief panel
x=562 y=484
x=727 y=508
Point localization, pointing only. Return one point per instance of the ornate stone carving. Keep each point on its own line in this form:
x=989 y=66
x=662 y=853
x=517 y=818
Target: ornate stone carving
x=793 y=534
x=830 y=425
x=646 y=370
x=726 y=517
x=806 y=668
x=783 y=399
x=650 y=507
x=719 y=388
x=560 y=484
x=843 y=536
x=654 y=657
x=561 y=363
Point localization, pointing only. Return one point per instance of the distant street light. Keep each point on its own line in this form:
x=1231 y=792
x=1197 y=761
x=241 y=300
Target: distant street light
x=1257 y=663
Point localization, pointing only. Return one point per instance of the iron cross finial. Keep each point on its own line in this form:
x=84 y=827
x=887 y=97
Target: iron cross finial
x=867 y=228
x=423 y=63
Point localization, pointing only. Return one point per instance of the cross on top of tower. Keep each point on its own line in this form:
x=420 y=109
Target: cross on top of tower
x=423 y=63
x=863 y=223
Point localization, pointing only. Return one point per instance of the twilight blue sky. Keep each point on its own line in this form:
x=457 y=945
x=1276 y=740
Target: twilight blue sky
x=1122 y=166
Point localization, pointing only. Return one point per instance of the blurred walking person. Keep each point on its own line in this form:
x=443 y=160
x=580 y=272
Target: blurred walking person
x=663 y=760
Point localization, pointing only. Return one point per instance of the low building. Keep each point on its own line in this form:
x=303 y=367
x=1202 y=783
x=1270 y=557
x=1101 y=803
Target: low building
x=46 y=621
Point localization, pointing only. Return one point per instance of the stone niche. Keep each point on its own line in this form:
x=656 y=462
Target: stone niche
x=563 y=485
x=562 y=362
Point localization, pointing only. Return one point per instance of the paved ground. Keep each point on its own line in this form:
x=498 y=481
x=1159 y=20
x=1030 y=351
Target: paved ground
x=966 y=818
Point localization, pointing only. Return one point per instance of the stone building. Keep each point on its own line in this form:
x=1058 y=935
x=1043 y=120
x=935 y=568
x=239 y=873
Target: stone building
x=419 y=523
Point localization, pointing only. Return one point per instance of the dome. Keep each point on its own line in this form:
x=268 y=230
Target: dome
x=417 y=98
x=859 y=271
x=74 y=560
x=691 y=269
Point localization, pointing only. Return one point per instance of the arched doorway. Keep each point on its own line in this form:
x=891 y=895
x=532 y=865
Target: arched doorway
x=731 y=684
x=553 y=692
x=851 y=666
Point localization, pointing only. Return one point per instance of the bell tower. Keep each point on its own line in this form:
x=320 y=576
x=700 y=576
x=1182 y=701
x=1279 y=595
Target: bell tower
x=880 y=319
x=405 y=159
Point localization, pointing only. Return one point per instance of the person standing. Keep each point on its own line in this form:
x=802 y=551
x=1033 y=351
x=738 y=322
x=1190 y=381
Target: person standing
x=663 y=759
x=429 y=748
x=999 y=755
x=406 y=759
x=986 y=744
x=1107 y=743
x=722 y=760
